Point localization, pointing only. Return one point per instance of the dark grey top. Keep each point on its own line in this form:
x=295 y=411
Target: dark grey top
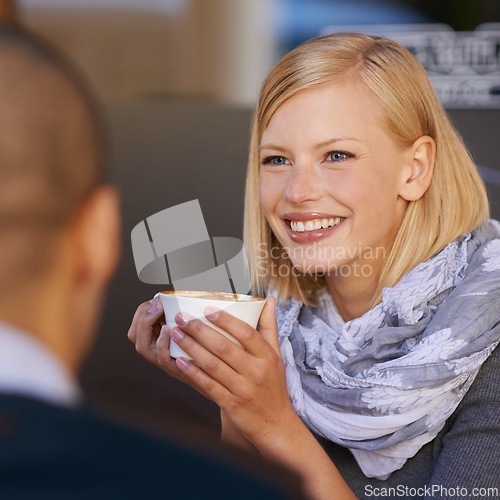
x=463 y=460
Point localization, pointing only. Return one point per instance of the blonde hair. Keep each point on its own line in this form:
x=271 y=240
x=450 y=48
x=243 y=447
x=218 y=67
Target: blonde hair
x=456 y=200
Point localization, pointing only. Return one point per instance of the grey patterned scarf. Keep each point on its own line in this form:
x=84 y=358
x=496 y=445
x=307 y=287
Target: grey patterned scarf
x=384 y=384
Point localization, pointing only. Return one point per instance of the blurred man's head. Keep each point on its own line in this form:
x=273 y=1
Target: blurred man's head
x=58 y=222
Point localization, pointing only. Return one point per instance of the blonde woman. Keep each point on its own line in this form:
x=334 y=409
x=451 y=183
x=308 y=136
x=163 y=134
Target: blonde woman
x=366 y=218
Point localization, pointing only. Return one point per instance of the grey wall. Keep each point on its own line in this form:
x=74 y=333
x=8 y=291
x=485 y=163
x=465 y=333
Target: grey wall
x=165 y=153
x=480 y=130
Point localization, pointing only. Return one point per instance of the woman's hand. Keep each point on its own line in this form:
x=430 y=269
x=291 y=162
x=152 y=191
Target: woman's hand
x=145 y=328
x=247 y=383
x=148 y=326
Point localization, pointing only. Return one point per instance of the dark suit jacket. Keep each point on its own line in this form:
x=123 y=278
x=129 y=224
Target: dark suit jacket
x=49 y=452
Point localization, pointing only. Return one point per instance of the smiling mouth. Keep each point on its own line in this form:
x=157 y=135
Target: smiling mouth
x=314 y=224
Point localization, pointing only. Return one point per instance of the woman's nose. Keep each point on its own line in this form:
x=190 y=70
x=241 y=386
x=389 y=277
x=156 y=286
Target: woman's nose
x=303 y=184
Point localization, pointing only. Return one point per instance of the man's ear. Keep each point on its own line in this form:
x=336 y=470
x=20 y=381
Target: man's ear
x=417 y=173
x=97 y=229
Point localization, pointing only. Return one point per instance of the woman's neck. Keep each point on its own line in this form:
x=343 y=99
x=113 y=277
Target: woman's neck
x=353 y=295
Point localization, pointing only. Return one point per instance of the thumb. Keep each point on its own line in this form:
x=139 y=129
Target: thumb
x=267 y=323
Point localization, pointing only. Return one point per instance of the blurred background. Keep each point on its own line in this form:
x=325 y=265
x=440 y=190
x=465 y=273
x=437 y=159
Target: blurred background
x=178 y=81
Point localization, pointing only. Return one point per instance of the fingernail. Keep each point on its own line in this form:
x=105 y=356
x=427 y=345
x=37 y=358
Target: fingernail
x=212 y=312
x=155 y=300
x=181 y=319
x=163 y=332
x=177 y=334
x=154 y=309
x=182 y=363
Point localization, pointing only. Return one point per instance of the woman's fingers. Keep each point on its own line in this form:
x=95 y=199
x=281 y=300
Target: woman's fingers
x=213 y=353
x=174 y=367
x=145 y=329
x=255 y=342
x=162 y=352
x=223 y=360
x=152 y=341
x=232 y=376
x=268 y=327
x=144 y=308
x=208 y=385
x=249 y=384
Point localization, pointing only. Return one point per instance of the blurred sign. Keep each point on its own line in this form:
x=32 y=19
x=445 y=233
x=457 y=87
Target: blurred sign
x=464 y=66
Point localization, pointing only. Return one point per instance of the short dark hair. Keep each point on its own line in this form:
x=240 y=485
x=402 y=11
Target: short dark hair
x=52 y=151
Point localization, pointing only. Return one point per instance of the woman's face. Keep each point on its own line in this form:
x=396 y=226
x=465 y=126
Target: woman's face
x=330 y=179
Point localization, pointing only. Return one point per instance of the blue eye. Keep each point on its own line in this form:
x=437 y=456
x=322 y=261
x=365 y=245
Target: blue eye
x=337 y=156
x=275 y=160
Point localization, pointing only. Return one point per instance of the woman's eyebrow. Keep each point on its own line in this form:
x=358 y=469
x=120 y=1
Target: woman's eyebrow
x=320 y=145
x=328 y=142
x=272 y=146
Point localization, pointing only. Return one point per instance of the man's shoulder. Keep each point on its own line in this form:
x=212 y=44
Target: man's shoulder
x=32 y=421
x=56 y=451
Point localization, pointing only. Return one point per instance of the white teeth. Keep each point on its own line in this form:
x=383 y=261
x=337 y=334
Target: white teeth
x=312 y=225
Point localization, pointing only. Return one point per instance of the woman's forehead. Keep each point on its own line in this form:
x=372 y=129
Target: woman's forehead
x=339 y=109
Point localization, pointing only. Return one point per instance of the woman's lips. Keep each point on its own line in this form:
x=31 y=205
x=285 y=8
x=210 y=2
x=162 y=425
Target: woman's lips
x=306 y=228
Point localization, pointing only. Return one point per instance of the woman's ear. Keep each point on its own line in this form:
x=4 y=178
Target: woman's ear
x=420 y=166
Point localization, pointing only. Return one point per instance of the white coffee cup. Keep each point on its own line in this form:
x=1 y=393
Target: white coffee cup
x=245 y=307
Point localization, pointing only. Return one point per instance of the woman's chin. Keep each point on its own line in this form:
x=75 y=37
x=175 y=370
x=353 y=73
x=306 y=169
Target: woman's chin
x=311 y=268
